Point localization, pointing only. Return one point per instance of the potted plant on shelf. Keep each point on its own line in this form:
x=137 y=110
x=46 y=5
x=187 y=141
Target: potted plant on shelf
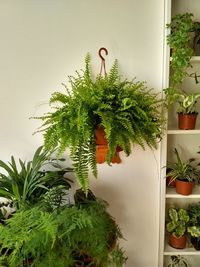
x=178 y=261
x=180 y=40
x=194 y=225
x=128 y=112
x=187 y=113
x=177 y=227
x=184 y=173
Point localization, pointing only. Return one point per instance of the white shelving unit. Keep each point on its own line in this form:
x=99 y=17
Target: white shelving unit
x=186 y=141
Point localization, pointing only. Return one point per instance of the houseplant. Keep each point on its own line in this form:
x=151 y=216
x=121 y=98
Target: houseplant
x=180 y=42
x=26 y=184
x=64 y=237
x=194 y=225
x=185 y=173
x=178 y=261
x=194 y=232
x=187 y=113
x=177 y=227
x=128 y=112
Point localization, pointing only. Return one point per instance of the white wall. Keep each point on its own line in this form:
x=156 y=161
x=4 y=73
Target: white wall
x=43 y=41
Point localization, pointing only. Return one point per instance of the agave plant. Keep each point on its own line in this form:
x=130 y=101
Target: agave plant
x=27 y=184
x=128 y=111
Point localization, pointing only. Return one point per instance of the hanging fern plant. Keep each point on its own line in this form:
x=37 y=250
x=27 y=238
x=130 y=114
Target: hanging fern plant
x=128 y=111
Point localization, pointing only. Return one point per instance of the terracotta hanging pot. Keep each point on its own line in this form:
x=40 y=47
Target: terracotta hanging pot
x=100 y=138
x=102 y=147
x=187 y=121
x=177 y=242
x=184 y=187
x=101 y=153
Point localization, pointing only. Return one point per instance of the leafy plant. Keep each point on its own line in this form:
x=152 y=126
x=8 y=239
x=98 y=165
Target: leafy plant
x=27 y=186
x=186 y=101
x=64 y=237
x=178 y=261
x=179 y=219
x=128 y=111
x=194 y=231
x=185 y=171
x=180 y=40
x=194 y=213
x=194 y=224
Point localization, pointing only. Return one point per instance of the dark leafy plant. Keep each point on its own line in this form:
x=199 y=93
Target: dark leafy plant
x=185 y=171
x=26 y=185
x=194 y=224
x=65 y=237
x=128 y=111
x=179 y=219
x=178 y=261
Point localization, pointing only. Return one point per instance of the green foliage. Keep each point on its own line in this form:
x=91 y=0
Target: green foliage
x=27 y=186
x=194 y=231
x=185 y=171
x=178 y=261
x=63 y=237
x=179 y=219
x=194 y=213
x=129 y=112
x=180 y=40
x=194 y=223
x=186 y=101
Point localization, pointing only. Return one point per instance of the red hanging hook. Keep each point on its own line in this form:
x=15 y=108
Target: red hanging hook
x=103 y=66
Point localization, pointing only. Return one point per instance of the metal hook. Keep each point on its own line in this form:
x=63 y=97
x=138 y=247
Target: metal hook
x=105 y=50
x=103 y=66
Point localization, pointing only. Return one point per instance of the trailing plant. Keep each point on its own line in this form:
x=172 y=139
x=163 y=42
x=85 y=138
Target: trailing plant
x=185 y=171
x=26 y=184
x=65 y=237
x=179 y=219
x=128 y=111
x=180 y=41
x=178 y=261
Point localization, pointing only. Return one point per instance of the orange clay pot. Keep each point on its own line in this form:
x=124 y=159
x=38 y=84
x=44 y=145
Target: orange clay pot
x=187 y=121
x=177 y=242
x=184 y=187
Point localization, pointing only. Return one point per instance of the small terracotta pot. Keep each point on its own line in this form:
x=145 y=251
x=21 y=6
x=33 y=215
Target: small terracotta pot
x=170 y=182
x=187 y=121
x=184 y=187
x=177 y=242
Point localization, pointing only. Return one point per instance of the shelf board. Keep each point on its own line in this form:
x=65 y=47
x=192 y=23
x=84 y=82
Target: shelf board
x=171 y=193
x=195 y=58
x=186 y=251
x=177 y=131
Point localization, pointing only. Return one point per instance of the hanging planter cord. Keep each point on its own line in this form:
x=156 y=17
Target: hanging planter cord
x=103 y=65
